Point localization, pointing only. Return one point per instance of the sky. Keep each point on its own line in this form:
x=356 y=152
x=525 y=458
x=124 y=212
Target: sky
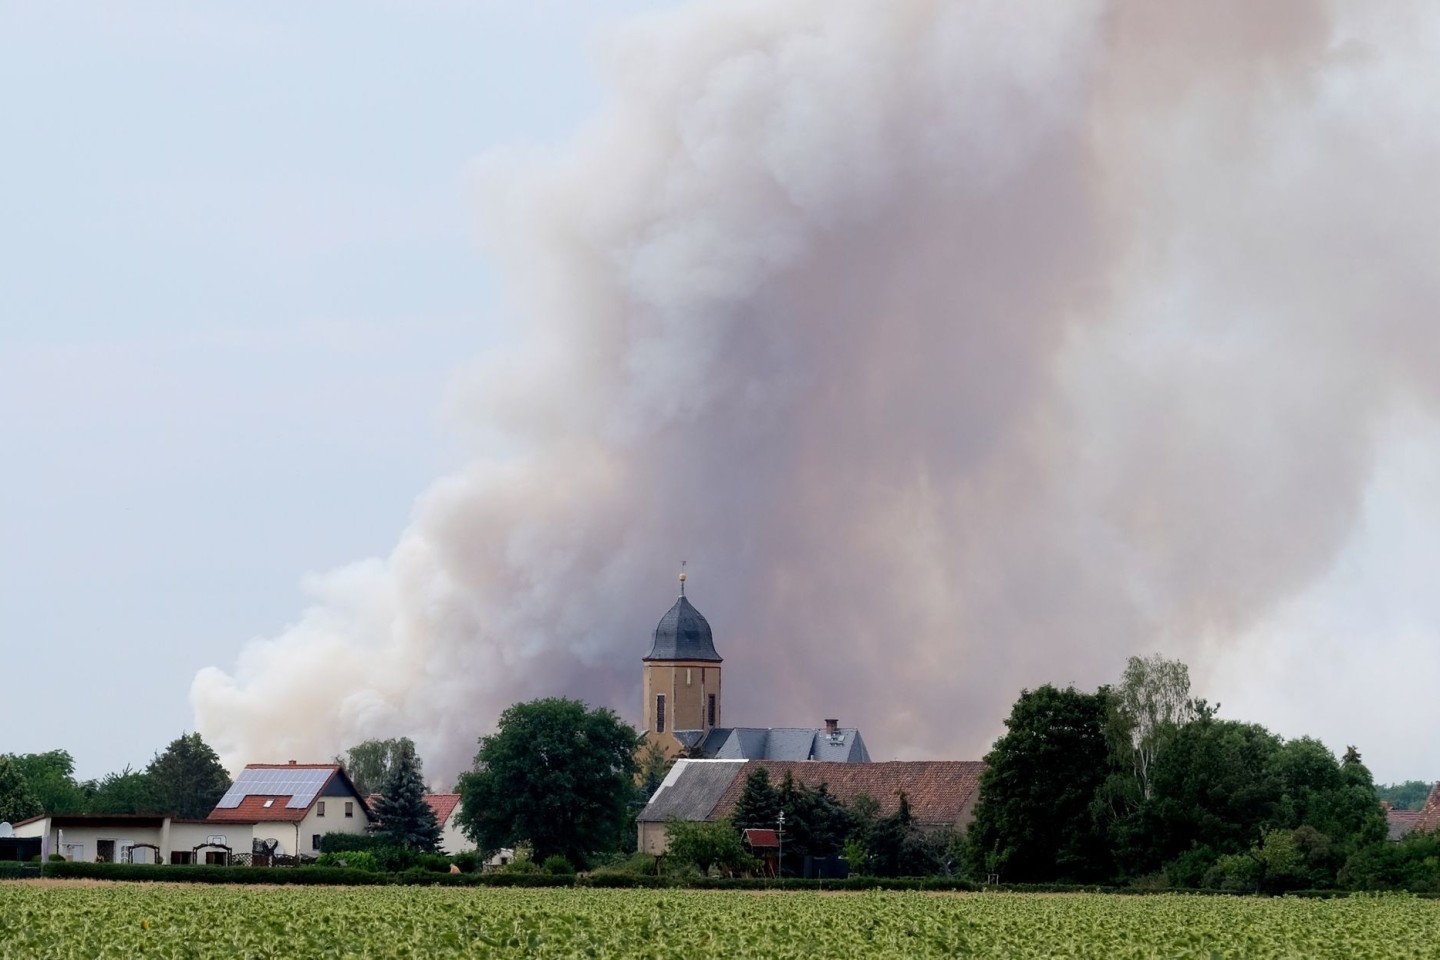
x=368 y=367
x=240 y=272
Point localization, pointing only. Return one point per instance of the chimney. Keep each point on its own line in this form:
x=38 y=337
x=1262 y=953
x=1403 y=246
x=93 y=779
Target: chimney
x=831 y=726
x=292 y=763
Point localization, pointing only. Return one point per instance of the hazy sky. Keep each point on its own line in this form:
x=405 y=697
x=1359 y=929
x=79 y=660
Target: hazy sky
x=242 y=287
x=237 y=274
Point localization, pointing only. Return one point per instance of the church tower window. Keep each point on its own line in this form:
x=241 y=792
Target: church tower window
x=660 y=713
x=711 y=711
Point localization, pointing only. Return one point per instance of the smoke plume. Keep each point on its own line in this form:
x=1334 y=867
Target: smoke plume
x=958 y=347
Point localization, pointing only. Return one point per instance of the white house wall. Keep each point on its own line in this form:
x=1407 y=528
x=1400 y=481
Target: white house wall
x=452 y=838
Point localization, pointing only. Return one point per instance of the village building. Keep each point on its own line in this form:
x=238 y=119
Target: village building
x=684 y=706
x=941 y=793
x=271 y=810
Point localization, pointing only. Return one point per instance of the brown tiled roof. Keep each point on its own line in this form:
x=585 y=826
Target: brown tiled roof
x=253 y=810
x=762 y=839
x=1401 y=822
x=1429 y=819
x=939 y=791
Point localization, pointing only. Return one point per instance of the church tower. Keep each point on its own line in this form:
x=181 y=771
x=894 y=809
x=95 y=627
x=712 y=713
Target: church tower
x=682 y=675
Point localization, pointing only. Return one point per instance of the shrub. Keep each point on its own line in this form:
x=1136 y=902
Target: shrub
x=557 y=865
x=468 y=862
x=354 y=859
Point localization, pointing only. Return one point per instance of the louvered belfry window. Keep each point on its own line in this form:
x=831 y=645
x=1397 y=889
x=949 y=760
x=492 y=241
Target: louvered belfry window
x=711 y=709
x=660 y=713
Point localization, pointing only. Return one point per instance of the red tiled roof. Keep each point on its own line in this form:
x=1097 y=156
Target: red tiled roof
x=443 y=804
x=252 y=809
x=939 y=791
x=762 y=839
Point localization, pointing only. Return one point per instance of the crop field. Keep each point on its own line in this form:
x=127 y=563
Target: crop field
x=80 y=919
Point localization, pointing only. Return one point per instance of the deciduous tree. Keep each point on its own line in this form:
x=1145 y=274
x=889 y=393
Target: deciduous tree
x=17 y=800
x=557 y=775
x=186 y=778
x=1033 y=821
x=369 y=763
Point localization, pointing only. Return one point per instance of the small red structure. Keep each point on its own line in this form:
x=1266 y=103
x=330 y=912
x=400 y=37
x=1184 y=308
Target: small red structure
x=764 y=844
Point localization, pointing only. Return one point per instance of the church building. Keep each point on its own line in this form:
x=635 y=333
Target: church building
x=684 y=709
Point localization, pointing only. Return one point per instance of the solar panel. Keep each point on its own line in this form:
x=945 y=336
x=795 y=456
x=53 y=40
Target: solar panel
x=300 y=784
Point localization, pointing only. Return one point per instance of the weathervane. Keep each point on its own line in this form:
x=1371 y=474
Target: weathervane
x=682 y=578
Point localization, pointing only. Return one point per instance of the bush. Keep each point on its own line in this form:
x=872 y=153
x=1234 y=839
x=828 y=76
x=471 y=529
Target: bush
x=468 y=862
x=557 y=865
x=520 y=866
x=58 y=858
x=432 y=862
x=354 y=859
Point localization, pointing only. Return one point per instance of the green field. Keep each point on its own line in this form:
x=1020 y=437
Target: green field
x=158 y=920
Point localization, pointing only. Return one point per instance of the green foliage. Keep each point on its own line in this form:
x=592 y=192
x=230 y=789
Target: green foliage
x=369 y=764
x=557 y=775
x=354 y=859
x=705 y=845
x=17 y=800
x=1413 y=864
x=759 y=803
x=557 y=865
x=1033 y=821
x=186 y=779
x=654 y=765
x=1410 y=795
x=406 y=820
x=125 y=792
x=430 y=920
x=51 y=776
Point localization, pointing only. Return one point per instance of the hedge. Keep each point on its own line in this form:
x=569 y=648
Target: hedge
x=329 y=876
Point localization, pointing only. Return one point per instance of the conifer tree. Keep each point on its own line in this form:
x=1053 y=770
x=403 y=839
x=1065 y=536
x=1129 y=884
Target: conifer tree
x=405 y=818
x=759 y=804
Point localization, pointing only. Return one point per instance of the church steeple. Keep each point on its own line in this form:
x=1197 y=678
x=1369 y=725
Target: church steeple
x=681 y=672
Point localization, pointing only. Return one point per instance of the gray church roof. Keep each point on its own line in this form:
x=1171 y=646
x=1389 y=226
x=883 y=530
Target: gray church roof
x=683 y=634
x=845 y=745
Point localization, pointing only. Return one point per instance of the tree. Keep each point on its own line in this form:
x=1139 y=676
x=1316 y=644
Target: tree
x=555 y=774
x=1410 y=795
x=897 y=847
x=1033 y=821
x=654 y=765
x=186 y=779
x=17 y=800
x=125 y=792
x=405 y=818
x=759 y=804
x=51 y=776
x=707 y=844
x=369 y=763
x=1150 y=703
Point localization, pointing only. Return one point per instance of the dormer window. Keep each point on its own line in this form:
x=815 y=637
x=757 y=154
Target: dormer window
x=320 y=809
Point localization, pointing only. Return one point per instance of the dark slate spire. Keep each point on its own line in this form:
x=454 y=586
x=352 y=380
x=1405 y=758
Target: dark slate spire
x=683 y=634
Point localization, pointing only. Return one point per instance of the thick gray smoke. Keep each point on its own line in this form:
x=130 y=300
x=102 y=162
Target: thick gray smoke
x=958 y=346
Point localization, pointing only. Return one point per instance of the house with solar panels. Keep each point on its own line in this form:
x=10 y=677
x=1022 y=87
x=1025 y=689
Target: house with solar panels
x=272 y=810
x=684 y=714
x=288 y=807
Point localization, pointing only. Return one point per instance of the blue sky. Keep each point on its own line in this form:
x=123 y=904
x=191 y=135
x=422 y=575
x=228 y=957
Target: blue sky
x=239 y=270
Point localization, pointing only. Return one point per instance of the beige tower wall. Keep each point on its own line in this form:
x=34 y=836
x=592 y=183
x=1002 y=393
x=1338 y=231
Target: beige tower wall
x=687 y=686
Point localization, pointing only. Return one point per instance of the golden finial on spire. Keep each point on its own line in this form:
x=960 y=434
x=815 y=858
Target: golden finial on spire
x=682 y=578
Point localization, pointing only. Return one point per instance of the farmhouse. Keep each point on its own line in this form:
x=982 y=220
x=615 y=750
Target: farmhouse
x=941 y=793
